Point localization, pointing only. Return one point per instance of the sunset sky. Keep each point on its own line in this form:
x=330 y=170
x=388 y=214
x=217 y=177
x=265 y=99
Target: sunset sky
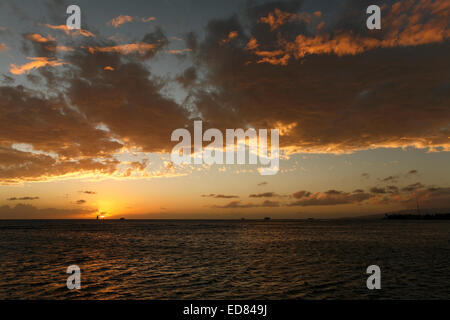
x=86 y=116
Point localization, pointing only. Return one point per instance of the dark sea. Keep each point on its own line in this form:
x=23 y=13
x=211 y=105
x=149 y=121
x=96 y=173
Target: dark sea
x=143 y=259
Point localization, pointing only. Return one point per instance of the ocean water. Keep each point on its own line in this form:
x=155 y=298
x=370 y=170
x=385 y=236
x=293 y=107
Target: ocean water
x=225 y=259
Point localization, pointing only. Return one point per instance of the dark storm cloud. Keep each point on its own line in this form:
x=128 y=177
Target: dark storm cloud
x=335 y=101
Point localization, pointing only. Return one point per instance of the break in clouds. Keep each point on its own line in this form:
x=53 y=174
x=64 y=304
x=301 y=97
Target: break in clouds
x=430 y=196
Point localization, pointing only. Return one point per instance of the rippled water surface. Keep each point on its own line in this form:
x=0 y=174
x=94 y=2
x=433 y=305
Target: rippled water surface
x=224 y=260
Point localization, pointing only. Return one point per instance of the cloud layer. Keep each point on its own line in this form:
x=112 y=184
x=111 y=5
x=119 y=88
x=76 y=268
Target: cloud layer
x=336 y=93
x=329 y=86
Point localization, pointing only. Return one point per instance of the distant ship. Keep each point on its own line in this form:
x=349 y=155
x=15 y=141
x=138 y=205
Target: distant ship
x=266 y=218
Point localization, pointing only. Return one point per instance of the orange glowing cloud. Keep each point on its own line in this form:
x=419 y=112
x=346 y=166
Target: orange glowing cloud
x=148 y=19
x=179 y=51
x=3 y=47
x=277 y=19
x=64 y=48
x=232 y=35
x=66 y=30
x=404 y=24
x=277 y=57
x=36 y=63
x=122 y=19
x=125 y=49
x=59 y=27
x=252 y=44
x=116 y=22
x=36 y=37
